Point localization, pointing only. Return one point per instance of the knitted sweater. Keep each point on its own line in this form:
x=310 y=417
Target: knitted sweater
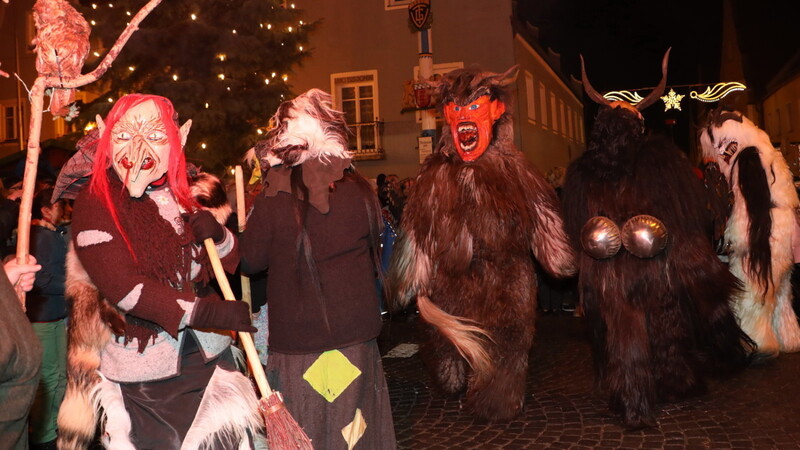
x=144 y=299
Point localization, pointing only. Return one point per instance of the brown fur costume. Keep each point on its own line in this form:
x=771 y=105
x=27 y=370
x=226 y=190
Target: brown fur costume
x=657 y=323
x=466 y=250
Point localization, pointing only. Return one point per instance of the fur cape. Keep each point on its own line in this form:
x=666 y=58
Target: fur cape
x=760 y=230
x=93 y=322
x=466 y=249
x=656 y=324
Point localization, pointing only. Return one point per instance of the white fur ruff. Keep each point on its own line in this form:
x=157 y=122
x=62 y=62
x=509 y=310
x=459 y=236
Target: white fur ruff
x=229 y=407
x=117 y=423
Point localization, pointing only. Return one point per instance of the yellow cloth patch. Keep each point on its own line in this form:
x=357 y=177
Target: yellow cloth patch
x=330 y=374
x=354 y=430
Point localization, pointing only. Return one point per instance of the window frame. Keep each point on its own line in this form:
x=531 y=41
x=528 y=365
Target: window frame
x=4 y=129
x=357 y=79
x=530 y=96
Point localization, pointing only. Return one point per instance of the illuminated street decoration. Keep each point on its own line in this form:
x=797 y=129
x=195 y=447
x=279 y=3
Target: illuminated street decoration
x=624 y=96
x=672 y=100
x=718 y=91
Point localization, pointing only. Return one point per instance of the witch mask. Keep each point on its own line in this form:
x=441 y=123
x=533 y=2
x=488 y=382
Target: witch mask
x=140 y=146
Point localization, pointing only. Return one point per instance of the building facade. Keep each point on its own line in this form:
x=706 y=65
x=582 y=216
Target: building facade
x=364 y=51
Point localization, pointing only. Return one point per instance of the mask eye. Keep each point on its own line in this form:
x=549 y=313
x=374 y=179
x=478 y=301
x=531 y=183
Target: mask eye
x=124 y=136
x=456 y=108
x=156 y=136
x=474 y=106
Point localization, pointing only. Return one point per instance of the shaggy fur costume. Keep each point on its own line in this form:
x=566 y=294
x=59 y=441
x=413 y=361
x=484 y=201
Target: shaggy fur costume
x=468 y=239
x=760 y=229
x=658 y=323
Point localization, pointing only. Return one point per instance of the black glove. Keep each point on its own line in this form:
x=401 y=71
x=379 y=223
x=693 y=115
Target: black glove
x=212 y=312
x=204 y=225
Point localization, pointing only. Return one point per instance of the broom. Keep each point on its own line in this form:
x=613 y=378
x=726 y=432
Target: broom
x=283 y=432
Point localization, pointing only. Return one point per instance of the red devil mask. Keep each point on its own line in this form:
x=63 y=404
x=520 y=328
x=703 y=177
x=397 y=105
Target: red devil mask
x=471 y=125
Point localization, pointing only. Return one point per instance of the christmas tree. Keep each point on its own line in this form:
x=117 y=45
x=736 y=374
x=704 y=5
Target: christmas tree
x=225 y=64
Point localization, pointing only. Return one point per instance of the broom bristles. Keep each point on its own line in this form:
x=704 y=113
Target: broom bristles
x=283 y=432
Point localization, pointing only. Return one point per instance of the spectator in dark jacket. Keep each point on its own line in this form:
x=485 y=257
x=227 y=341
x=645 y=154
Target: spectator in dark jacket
x=46 y=309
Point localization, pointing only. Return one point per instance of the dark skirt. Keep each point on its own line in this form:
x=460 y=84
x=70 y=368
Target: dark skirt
x=162 y=412
x=326 y=392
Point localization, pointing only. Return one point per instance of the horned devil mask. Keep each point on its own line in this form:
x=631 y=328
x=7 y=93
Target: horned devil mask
x=140 y=146
x=472 y=103
x=471 y=125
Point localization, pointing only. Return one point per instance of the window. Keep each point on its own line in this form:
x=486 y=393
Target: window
x=356 y=94
x=543 y=104
x=570 y=125
x=554 y=111
x=530 y=97
x=580 y=128
x=9 y=123
x=790 y=116
x=60 y=127
x=562 y=112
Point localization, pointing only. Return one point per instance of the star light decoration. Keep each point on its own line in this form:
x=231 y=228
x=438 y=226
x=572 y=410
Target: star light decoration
x=672 y=100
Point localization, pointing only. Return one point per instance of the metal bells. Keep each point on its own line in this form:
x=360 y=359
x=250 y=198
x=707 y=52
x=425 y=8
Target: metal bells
x=600 y=238
x=643 y=236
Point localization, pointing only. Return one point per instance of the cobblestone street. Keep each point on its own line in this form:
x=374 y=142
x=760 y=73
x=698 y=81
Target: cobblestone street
x=758 y=408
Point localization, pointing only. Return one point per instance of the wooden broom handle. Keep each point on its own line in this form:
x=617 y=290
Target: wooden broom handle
x=245 y=338
x=241 y=217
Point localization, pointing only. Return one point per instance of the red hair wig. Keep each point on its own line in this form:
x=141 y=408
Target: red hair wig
x=103 y=158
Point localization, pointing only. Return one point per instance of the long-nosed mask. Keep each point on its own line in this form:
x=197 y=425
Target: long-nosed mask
x=140 y=147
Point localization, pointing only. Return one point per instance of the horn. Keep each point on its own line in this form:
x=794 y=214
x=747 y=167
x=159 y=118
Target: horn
x=653 y=96
x=593 y=94
x=509 y=76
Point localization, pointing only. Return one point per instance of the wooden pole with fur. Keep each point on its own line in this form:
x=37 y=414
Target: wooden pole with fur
x=283 y=432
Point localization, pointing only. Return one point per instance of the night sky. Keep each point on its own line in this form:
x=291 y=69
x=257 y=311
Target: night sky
x=623 y=42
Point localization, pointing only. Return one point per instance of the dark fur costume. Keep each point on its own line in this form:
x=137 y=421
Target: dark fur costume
x=466 y=249
x=656 y=323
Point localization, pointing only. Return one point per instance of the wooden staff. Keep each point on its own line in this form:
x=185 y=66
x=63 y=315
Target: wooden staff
x=35 y=128
x=241 y=217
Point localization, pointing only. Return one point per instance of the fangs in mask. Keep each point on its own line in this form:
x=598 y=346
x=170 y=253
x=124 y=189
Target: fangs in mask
x=471 y=125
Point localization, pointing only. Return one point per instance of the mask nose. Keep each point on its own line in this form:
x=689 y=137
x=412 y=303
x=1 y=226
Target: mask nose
x=136 y=154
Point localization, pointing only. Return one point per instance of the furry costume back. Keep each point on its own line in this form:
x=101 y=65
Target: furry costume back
x=760 y=230
x=464 y=251
x=657 y=324
x=93 y=321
